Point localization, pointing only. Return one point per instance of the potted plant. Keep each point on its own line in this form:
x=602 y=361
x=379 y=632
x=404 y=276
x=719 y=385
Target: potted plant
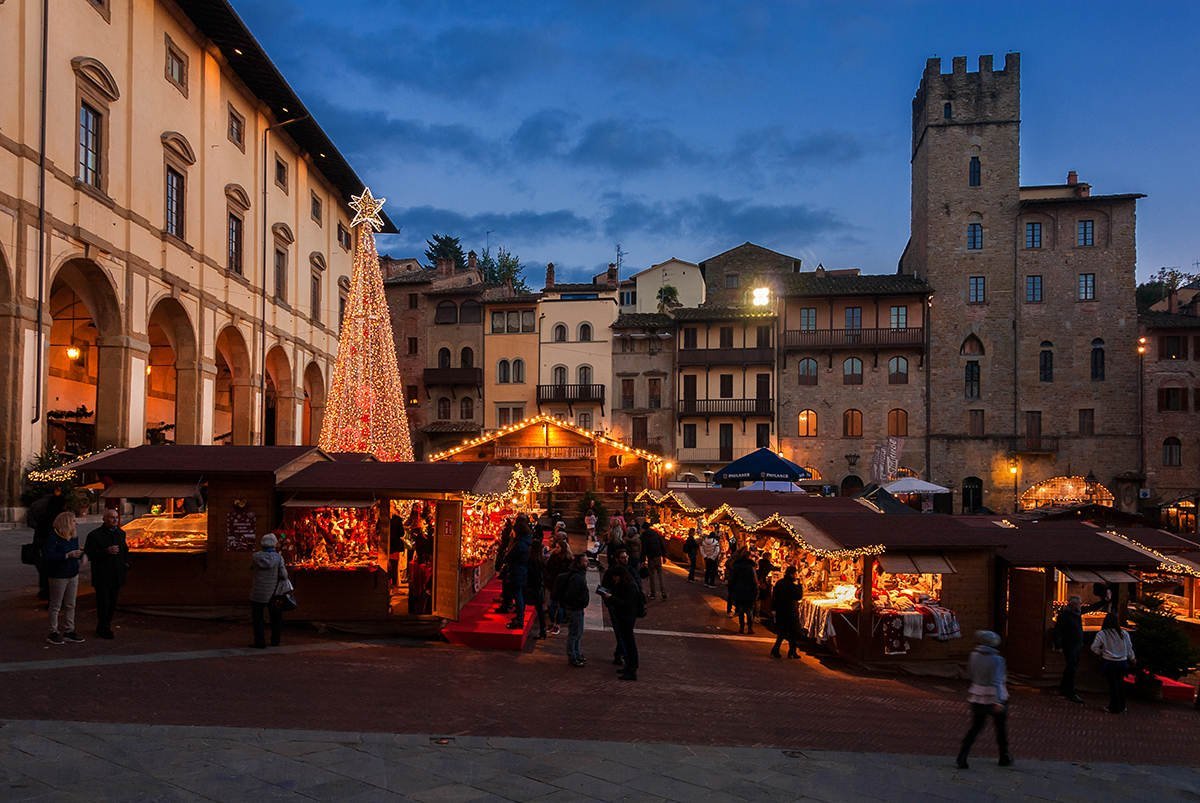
x=1160 y=644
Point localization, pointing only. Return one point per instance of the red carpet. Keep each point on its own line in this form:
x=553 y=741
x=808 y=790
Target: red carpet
x=479 y=625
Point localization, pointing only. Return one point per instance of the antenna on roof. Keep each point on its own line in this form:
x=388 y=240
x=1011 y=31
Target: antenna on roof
x=621 y=254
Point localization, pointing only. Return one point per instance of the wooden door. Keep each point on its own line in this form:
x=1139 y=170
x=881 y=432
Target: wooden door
x=447 y=553
x=726 y=441
x=1025 y=644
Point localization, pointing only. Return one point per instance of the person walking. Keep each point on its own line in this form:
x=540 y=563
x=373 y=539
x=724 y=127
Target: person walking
x=654 y=549
x=743 y=590
x=269 y=578
x=535 y=582
x=616 y=538
x=710 y=548
x=1115 y=649
x=61 y=556
x=691 y=549
x=40 y=518
x=506 y=589
x=785 y=596
x=574 y=598
x=589 y=524
x=1068 y=637
x=633 y=543
x=988 y=695
x=517 y=566
x=108 y=554
x=622 y=595
x=557 y=564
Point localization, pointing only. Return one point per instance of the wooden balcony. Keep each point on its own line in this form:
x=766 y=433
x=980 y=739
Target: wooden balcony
x=711 y=407
x=545 y=452
x=1033 y=445
x=450 y=377
x=570 y=394
x=703 y=357
x=853 y=338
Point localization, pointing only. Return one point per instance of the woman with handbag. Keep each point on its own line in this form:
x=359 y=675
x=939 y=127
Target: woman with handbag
x=269 y=590
x=1115 y=649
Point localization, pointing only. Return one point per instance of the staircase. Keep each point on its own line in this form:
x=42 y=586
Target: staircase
x=479 y=625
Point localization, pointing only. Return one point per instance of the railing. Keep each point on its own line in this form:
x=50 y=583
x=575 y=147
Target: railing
x=705 y=454
x=1034 y=444
x=453 y=376
x=726 y=356
x=851 y=338
x=570 y=393
x=760 y=407
x=545 y=452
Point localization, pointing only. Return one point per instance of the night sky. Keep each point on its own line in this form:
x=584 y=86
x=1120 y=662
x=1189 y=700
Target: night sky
x=686 y=128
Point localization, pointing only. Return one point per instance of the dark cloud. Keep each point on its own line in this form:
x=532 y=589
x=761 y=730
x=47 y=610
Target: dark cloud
x=710 y=217
x=773 y=147
x=543 y=134
x=632 y=145
x=419 y=222
x=367 y=134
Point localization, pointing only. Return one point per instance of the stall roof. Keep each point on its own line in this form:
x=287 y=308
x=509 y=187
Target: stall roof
x=385 y=478
x=898 y=533
x=1158 y=539
x=1065 y=543
x=150 y=490
x=199 y=459
x=774 y=502
x=1081 y=575
x=905 y=563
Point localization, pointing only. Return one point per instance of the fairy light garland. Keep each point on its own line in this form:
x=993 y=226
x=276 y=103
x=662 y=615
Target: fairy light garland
x=1166 y=563
x=546 y=419
x=778 y=521
x=667 y=496
x=63 y=473
x=365 y=410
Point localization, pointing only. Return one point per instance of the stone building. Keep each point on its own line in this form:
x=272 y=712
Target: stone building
x=729 y=277
x=1033 y=325
x=510 y=356
x=453 y=376
x=185 y=285
x=404 y=284
x=643 y=368
x=852 y=373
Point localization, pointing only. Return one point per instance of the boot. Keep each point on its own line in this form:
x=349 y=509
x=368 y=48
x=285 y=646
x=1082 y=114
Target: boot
x=775 y=654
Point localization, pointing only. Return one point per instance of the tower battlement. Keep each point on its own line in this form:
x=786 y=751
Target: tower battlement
x=960 y=97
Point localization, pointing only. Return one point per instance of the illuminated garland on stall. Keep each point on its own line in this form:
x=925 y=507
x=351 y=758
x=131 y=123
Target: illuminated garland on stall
x=63 y=473
x=546 y=419
x=483 y=513
x=1166 y=564
x=663 y=497
x=778 y=521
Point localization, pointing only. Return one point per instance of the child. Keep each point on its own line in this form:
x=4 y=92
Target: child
x=589 y=521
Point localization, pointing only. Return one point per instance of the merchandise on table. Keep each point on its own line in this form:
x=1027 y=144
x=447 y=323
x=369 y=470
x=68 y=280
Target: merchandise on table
x=907 y=606
x=166 y=533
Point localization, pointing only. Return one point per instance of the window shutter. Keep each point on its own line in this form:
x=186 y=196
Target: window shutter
x=1162 y=399
x=1183 y=351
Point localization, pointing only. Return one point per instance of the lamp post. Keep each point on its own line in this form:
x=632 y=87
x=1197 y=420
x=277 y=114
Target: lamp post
x=1012 y=469
x=1141 y=350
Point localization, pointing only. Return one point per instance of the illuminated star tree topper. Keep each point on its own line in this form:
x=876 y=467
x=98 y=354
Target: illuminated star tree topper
x=365 y=411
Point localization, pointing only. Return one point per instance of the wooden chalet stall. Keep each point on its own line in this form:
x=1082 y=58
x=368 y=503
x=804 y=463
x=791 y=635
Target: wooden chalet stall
x=584 y=460
x=333 y=515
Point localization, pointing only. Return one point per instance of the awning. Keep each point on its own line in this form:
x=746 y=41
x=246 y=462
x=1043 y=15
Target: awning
x=1079 y=575
x=355 y=503
x=906 y=563
x=150 y=490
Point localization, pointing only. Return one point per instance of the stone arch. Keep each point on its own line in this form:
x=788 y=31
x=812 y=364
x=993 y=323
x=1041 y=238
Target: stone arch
x=97 y=75
x=172 y=375
x=314 y=404
x=177 y=144
x=237 y=196
x=971 y=345
x=233 y=398
x=851 y=485
x=283 y=233
x=279 y=404
x=88 y=379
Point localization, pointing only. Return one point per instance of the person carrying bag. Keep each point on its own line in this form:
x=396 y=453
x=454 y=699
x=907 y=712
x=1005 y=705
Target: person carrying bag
x=270 y=583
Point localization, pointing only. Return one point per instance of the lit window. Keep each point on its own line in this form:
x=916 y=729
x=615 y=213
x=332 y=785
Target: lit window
x=807 y=424
x=762 y=296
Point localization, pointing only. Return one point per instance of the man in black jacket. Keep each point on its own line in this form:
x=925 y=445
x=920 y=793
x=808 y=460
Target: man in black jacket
x=784 y=598
x=622 y=595
x=654 y=549
x=1068 y=637
x=108 y=553
x=573 y=596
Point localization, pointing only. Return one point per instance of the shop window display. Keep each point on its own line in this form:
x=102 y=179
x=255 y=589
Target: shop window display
x=908 y=606
x=168 y=525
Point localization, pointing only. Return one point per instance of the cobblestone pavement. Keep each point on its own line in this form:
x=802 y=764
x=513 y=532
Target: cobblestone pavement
x=86 y=761
x=700 y=686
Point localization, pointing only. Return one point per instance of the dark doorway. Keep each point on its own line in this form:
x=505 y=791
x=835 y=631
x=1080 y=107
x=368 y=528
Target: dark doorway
x=726 y=441
x=972 y=495
x=851 y=485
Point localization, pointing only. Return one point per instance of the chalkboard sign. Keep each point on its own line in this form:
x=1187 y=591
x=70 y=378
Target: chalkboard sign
x=239 y=530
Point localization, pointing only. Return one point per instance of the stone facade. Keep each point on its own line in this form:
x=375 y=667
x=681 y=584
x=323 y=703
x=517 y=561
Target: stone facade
x=643 y=391
x=1171 y=407
x=995 y=398
x=731 y=276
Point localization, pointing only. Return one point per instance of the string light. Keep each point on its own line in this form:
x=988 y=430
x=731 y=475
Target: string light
x=661 y=498
x=63 y=473
x=775 y=520
x=543 y=418
x=365 y=411
x=1166 y=564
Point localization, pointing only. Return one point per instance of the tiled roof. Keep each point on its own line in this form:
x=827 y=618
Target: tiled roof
x=719 y=313
x=576 y=287
x=423 y=276
x=502 y=295
x=1168 y=320
x=813 y=284
x=749 y=247
x=199 y=459
x=477 y=288
x=643 y=320
x=436 y=427
x=1125 y=196
x=374 y=477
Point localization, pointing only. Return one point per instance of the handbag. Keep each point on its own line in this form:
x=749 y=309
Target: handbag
x=284 y=598
x=30 y=554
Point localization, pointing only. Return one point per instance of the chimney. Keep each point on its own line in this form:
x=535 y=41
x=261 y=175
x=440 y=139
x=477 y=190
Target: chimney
x=549 y=274
x=1072 y=178
x=820 y=271
x=1172 y=300
x=445 y=266
x=471 y=260
x=611 y=277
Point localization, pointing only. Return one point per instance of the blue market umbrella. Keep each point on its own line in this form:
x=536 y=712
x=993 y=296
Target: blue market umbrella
x=761 y=465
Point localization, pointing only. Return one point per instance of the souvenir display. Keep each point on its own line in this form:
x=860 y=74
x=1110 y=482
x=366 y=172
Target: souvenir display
x=168 y=534
x=330 y=537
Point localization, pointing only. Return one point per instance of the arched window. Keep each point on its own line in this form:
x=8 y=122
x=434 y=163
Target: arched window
x=1097 y=360
x=503 y=377
x=807 y=371
x=898 y=423
x=806 y=424
x=585 y=374
x=444 y=408
x=443 y=358
x=467 y=357
x=585 y=332
x=898 y=371
x=971 y=380
x=852 y=424
x=559 y=375
x=946 y=110
x=518 y=371
x=466 y=408
x=852 y=371
x=1172 y=452
x=470 y=312
x=560 y=333
x=446 y=312
x=971 y=345
x=1046 y=362
x=973 y=172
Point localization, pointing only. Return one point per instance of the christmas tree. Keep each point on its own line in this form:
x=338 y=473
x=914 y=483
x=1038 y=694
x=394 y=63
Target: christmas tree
x=365 y=411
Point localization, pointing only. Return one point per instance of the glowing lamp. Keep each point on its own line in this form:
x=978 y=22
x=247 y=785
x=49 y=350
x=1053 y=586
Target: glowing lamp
x=1012 y=469
x=73 y=353
x=761 y=296
x=147 y=370
x=668 y=466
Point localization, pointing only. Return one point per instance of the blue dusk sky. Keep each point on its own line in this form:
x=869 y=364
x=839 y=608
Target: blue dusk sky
x=684 y=127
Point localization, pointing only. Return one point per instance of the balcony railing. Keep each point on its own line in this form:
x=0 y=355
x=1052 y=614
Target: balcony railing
x=1029 y=444
x=852 y=338
x=453 y=376
x=705 y=454
x=545 y=452
x=726 y=356
x=756 y=407
x=570 y=393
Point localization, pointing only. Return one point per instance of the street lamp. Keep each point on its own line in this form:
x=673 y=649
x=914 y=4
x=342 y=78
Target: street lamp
x=1012 y=469
x=1141 y=350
